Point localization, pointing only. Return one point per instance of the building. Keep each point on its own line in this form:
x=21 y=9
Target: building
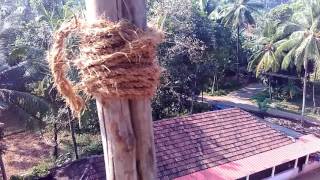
x=218 y=145
x=229 y=144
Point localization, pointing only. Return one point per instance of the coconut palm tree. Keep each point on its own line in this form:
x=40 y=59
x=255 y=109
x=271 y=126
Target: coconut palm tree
x=238 y=16
x=303 y=46
x=16 y=75
x=264 y=59
x=264 y=48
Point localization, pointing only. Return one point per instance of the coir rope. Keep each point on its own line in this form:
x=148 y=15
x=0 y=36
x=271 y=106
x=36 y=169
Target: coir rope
x=116 y=60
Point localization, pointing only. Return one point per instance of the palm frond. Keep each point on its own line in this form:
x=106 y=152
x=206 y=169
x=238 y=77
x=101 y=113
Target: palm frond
x=269 y=29
x=255 y=59
x=285 y=30
x=267 y=62
x=315 y=25
x=301 y=53
x=288 y=59
x=285 y=46
x=203 y=5
x=29 y=103
x=301 y=19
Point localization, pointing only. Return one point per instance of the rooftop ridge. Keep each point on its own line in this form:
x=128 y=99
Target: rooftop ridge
x=192 y=115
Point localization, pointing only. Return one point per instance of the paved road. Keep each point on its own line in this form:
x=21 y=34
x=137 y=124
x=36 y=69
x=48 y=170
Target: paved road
x=242 y=99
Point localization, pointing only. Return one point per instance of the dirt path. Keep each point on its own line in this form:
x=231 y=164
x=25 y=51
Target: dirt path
x=247 y=92
x=242 y=96
x=25 y=150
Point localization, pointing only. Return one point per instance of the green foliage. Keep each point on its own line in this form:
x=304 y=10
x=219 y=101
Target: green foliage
x=263 y=101
x=200 y=107
x=239 y=14
x=94 y=148
x=195 y=51
x=281 y=13
x=36 y=172
x=89 y=144
x=289 y=91
x=219 y=92
x=41 y=169
x=264 y=105
x=26 y=29
x=293 y=44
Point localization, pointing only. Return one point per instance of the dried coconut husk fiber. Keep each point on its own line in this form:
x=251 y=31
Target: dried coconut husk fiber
x=116 y=60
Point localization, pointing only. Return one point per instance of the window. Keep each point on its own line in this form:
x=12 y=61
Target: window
x=261 y=175
x=284 y=167
x=243 y=178
x=314 y=157
x=301 y=162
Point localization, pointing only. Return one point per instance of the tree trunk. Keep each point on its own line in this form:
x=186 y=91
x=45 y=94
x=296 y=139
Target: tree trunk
x=193 y=98
x=270 y=90
x=314 y=95
x=126 y=124
x=213 y=84
x=2 y=169
x=73 y=135
x=202 y=96
x=238 y=51
x=55 y=140
x=304 y=89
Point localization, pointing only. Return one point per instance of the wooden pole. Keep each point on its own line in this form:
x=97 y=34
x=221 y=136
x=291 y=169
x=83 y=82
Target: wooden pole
x=126 y=124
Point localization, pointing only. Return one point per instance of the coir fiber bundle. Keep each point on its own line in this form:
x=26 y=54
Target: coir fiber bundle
x=116 y=60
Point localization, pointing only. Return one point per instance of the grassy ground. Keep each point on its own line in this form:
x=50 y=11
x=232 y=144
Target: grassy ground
x=293 y=106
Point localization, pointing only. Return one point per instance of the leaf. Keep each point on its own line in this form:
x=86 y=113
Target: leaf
x=285 y=46
x=285 y=30
x=29 y=103
x=301 y=53
x=203 y=5
x=288 y=60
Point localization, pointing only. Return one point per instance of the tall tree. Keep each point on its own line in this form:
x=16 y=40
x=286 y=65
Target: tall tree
x=238 y=16
x=302 y=48
x=265 y=44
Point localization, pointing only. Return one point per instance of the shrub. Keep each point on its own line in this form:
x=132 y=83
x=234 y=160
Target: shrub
x=37 y=172
x=263 y=101
x=94 y=148
x=200 y=107
x=218 y=93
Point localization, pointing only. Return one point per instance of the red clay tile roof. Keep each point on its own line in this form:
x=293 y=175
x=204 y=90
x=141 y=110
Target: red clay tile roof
x=188 y=144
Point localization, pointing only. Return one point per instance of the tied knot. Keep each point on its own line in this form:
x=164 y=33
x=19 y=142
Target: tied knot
x=116 y=60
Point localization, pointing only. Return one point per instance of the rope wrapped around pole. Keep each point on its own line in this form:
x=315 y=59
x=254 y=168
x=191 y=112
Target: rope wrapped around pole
x=116 y=60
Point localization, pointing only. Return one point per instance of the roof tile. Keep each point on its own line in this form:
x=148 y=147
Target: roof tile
x=188 y=144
